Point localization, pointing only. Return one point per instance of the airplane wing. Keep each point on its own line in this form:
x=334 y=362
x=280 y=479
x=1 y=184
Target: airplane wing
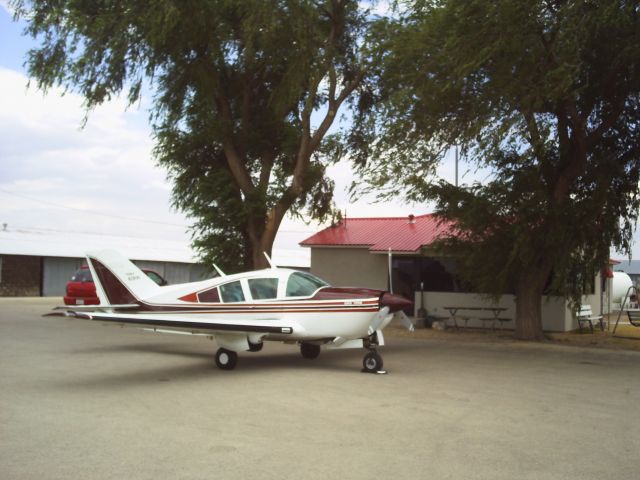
x=95 y=308
x=181 y=323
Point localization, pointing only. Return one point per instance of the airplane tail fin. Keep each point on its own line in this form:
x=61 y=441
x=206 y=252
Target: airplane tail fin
x=118 y=281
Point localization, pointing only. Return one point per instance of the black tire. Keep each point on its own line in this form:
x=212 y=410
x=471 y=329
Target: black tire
x=255 y=347
x=372 y=362
x=226 y=359
x=309 y=350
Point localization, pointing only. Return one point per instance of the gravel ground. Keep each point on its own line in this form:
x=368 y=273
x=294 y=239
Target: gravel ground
x=82 y=400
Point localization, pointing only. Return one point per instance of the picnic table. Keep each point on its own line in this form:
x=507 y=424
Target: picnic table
x=496 y=311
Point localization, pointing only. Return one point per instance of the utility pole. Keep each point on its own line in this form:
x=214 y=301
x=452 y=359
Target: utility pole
x=456 y=150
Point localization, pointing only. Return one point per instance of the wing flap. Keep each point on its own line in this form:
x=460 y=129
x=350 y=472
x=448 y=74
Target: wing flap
x=275 y=325
x=94 y=308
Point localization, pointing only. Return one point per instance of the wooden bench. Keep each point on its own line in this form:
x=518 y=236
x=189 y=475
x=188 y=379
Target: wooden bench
x=492 y=320
x=585 y=315
x=470 y=314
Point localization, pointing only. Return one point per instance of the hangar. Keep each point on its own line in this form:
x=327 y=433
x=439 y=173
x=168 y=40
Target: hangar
x=362 y=251
x=40 y=262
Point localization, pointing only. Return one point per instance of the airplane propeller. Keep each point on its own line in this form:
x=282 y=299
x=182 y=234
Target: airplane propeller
x=378 y=319
x=406 y=321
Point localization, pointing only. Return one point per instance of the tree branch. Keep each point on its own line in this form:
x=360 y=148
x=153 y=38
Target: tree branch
x=535 y=139
x=234 y=160
x=607 y=122
x=265 y=173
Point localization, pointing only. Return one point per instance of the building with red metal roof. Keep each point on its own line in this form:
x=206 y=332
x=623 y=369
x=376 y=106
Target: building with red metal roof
x=362 y=251
x=392 y=253
x=398 y=234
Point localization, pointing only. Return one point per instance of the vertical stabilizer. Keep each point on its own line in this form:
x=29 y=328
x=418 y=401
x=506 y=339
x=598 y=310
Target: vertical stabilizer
x=118 y=281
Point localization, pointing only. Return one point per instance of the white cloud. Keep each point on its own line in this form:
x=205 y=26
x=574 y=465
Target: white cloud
x=65 y=176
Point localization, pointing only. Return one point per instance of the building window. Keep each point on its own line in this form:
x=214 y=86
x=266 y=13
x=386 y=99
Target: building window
x=412 y=274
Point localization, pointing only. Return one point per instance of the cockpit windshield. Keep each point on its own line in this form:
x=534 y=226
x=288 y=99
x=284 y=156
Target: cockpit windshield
x=302 y=284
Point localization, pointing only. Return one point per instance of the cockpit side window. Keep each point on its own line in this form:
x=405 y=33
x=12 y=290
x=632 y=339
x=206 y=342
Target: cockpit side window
x=263 y=288
x=301 y=284
x=209 y=296
x=232 y=292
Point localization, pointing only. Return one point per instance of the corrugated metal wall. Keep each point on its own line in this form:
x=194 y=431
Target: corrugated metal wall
x=56 y=272
x=174 y=272
x=20 y=276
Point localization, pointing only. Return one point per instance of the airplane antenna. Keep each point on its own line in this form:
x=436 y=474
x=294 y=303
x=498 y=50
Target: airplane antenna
x=269 y=260
x=220 y=272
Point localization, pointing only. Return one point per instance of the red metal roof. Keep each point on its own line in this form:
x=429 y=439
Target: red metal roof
x=400 y=234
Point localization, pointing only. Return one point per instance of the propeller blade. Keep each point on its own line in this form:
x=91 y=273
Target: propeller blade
x=406 y=321
x=378 y=319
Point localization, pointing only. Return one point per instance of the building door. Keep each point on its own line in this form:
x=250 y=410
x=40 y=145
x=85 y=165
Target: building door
x=404 y=274
x=56 y=272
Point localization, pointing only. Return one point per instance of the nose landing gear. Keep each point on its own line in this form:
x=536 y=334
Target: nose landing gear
x=372 y=361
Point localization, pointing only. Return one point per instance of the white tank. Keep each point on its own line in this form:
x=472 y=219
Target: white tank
x=619 y=286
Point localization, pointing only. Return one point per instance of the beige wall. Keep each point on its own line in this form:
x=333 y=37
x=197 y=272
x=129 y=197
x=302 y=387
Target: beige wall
x=556 y=316
x=357 y=267
x=350 y=267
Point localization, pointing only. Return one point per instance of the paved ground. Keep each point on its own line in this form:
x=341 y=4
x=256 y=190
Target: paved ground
x=81 y=400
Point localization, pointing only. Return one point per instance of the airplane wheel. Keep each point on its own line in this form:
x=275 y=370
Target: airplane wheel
x=309 y=350
x=372 y=362
x=226 y=359
x=255 y=347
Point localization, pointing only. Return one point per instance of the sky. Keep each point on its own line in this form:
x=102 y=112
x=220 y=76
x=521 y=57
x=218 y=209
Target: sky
x=102 y=178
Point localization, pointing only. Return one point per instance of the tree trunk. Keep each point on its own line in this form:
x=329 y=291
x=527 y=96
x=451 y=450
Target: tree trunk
x=257 y=254
x=263 y=243
x=529 y=290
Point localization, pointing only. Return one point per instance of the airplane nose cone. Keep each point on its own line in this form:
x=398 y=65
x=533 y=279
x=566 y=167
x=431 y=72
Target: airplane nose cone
x=394 y=302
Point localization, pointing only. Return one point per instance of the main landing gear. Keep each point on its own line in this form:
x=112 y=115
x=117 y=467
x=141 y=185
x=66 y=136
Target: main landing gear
x=226 y=359
x=309 y=350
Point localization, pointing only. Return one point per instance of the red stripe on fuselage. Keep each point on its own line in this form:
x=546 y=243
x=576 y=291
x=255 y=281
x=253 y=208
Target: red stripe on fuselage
x=258 y=308
x=237 y=312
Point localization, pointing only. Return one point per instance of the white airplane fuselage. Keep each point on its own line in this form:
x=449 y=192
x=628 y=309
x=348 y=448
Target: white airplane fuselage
x=241 y=311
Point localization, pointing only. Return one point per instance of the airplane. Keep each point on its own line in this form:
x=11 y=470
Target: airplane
x=243 y=310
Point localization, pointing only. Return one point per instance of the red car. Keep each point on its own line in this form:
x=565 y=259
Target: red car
x=82 y=291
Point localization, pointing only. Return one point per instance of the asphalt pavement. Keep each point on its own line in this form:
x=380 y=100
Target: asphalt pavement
x=83 y=400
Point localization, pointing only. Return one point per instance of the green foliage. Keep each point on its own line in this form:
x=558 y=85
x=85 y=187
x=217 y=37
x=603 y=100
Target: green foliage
x=546 y=96
x=235 y=85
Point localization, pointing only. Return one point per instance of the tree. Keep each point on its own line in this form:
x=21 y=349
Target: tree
x=543 y=94
x=245 y=94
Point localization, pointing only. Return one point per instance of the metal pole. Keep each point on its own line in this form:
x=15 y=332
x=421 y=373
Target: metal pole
x=390 y=274
x=456 y=150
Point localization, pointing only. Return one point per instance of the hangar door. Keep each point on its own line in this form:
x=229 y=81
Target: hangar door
x=174 y=272
x=56 y=272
